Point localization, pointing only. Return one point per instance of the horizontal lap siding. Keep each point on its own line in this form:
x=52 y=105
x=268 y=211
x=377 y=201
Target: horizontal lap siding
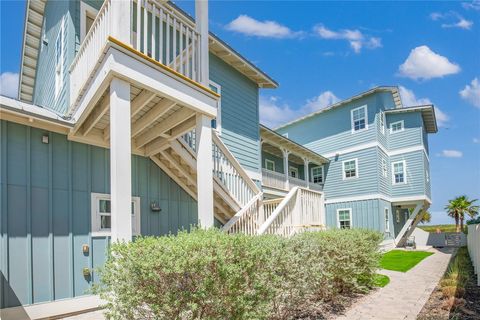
x=239 y=114
x=412 y=133
x=384 y=183
x=46 y=216
x=415 y=175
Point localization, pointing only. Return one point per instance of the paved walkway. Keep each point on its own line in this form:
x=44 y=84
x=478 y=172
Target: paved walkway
x=405 y=295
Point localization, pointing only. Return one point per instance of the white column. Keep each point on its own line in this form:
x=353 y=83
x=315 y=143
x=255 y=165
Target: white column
x=120 y=27
x=120 y=160
x=201 y=25
x=285 y=153
x=306 y=171
x=203 y=139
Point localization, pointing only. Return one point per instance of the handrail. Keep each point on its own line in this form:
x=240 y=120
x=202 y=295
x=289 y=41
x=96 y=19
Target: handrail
x=278 y=210
x=246 y=220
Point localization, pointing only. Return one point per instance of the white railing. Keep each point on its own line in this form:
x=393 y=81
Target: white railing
x=269 y=207
x=248 y=219
x=273 y=179
x=301 y=209
x=90 y=50
x=473 y=243
x=167 y=37
x=295 y=182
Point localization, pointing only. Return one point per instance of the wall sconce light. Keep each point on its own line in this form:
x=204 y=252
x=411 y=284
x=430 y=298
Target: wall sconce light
x=155 y=207
x=85 y=249
x=45 y=138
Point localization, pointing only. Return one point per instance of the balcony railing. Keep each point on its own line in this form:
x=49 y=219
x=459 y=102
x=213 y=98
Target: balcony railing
x=157 y=31
x=277 y=180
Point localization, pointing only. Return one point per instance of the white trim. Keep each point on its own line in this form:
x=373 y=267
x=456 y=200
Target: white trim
x=350 y=216
x=380 y=196
x=386 y=212
x=269 y=161
x=366 y=119
x=96 y=230
x=323 y=174
x=254 y=175
x=382 y=122
x=84 y=8
x=219 y=106
x=404 y=167
x=292 y=168
x=356 y=169
x=402 y=122
x=384 y=168
x=60 y=61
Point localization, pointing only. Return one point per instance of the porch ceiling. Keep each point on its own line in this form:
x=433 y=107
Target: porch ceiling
x=155 y=121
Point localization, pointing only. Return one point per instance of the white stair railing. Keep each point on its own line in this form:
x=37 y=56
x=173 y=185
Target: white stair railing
x=301 y=209
x=248 y=219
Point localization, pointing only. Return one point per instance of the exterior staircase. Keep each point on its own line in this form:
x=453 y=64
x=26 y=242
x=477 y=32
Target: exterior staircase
x=238 y=201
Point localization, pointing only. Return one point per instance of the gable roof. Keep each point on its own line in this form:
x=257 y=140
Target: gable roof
x=34 y=14
x=393 y=89
x=428 y=115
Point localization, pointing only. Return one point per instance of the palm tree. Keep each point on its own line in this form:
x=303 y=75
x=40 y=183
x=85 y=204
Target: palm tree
x=459 y=207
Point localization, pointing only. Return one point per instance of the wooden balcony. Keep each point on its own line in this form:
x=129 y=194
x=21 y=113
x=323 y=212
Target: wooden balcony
x=277 y=180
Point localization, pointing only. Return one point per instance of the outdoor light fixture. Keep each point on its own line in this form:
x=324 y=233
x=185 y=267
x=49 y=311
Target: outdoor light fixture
x=155 y=207
x=45 y=138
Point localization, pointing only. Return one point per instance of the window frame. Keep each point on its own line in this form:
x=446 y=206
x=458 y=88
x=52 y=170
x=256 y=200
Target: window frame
x=96 y=230
x=313 y=176
x=384 y=168
x=295 y=169
x=270 y=161
x=349 y=217
x=402 y=126
x=352 y=122
x=404 y=167
x=85 y=9
x=382 y=122
x=59 y=59
x=356 y=169
x=386 y=213
x=218 y=119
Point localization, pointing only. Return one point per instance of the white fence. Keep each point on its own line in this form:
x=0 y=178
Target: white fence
x=473 y=242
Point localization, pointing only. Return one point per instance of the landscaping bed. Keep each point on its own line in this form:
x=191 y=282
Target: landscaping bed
x=207 y=274
x=457 y=295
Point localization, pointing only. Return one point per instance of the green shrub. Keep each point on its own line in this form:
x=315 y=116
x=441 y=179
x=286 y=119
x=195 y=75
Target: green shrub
x=207 y=274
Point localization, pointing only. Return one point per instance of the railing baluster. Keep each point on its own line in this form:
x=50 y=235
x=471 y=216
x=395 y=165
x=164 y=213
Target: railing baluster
x=154 y=31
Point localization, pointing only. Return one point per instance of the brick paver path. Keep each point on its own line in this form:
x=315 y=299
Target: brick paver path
x=405 y=295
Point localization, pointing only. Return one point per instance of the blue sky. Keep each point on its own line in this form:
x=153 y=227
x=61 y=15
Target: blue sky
x=321 y=52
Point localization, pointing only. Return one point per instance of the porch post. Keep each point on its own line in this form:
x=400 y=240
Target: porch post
x=306 y=171
x=120 y=161
x=201 y=25
x=121 y=28
x=285 y=153
x=203 y=139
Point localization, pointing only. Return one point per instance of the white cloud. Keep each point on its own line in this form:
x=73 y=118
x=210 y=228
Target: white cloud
x=423 y=63
x=409 y=99
x=451 y=154
x=453 y=20
x=355 y=38
x=474 y=5
x=476 y=140
x=9 y=84
x=273 y=112
x=471 y=92
x=266 y=29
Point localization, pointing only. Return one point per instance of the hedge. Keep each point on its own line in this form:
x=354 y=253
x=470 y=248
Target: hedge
x=207 y=274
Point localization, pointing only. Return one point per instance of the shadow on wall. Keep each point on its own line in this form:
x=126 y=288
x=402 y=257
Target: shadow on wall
x=8 y=297
x=442 y=239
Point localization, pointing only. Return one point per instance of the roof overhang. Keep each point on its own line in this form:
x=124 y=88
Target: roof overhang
x=393 y=89
x=270 y=136
x=428 y=115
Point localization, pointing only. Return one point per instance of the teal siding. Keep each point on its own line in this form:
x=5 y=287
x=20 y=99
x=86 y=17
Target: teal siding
x=415 y=175
x=412 y=135
x=240 y=122
x=384 y=183
x=45 y=212
x=278 y=161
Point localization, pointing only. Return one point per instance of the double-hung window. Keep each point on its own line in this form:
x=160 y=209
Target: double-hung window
x=350 y=169
x=396 y=126
x=359 y=119
x=293 y=172
x=269 y=165
x=399 y=172
x=344 y=218
x=317 y=174
x=217 y=122
x=102 y=215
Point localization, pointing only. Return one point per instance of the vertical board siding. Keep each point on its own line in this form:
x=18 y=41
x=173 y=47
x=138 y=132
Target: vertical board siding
x=46 y=216
x=239 y=114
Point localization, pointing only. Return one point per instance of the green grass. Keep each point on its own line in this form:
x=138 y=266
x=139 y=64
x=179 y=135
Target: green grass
x=399 y=260
x=381 y=280
x=442 y=227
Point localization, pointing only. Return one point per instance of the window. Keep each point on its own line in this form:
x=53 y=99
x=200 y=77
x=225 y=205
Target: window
x=350 y=169
x=399 y=172
x=384 y=167
x=87 y=17
x=344 y=218
x=396 y=126
x=397 y=215
x=59 y=59
x=102 y=214
x=217 y=122
x=269 y=165
x=381 y=118
x=293 y=172
x=359 y=119
x=317 y=174
x=387 y=220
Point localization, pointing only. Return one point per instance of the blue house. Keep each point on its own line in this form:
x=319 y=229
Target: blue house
x=133 y=119
x=378 y=174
